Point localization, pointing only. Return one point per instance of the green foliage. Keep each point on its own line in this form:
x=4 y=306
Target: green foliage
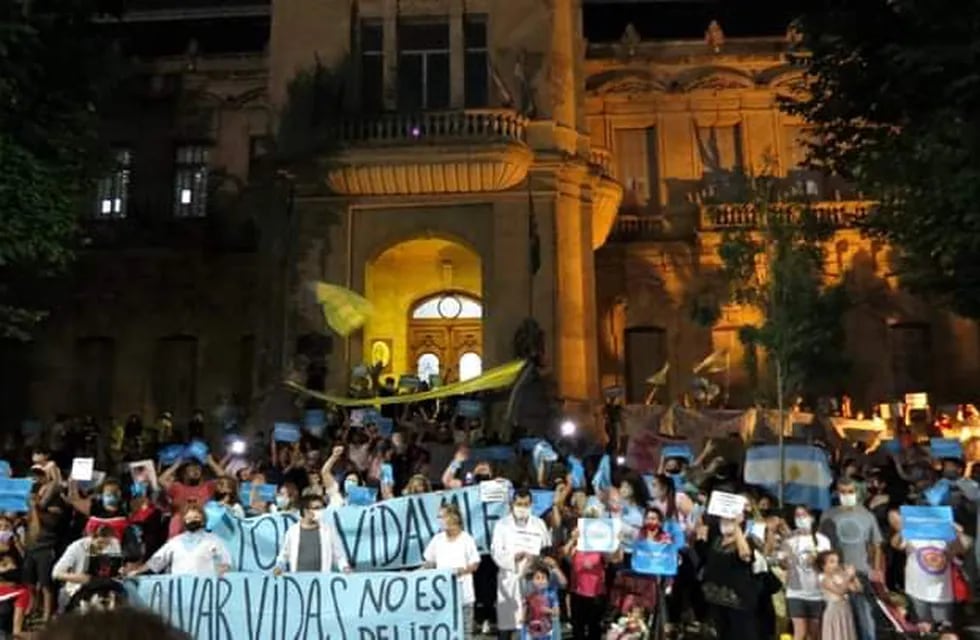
x=893 y=101
x=777 y=269
x=53 y=70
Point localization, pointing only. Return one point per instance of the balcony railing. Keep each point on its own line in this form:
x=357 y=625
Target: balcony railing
x=601 y=159
x=399 y=128
x=746 y=216
x=632 y=228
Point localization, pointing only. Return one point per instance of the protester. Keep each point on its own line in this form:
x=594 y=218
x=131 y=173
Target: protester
x=838 y=583
x=74 y=565
x=120 y=624
x=193 y=552
x=452 y=548
x=312 y=544
x=798 y=553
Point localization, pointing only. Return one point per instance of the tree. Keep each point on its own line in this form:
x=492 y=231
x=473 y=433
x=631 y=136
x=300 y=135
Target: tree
x=777 y=269
x=892 y=92
x=54 y=67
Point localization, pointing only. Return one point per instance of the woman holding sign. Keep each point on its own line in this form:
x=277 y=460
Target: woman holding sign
x=728 y=582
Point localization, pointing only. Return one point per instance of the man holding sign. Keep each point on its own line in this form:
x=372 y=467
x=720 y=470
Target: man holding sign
x=518 y=538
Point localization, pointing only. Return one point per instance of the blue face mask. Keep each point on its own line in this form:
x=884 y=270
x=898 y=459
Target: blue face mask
x=138 y=490
x=110 y=499
x=348 y=484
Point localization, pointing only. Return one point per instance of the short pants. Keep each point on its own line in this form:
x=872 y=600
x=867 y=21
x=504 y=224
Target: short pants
x=805 y=609
x=937 y=612
x=38 y=564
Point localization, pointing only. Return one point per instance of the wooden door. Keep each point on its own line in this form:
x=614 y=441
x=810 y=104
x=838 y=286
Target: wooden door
x=447 y=340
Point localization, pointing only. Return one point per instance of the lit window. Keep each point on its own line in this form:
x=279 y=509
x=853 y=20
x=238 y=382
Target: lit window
x=448 y=306
x=191 y=182
x=470 y=366
x=113 y=190
x=427 y=366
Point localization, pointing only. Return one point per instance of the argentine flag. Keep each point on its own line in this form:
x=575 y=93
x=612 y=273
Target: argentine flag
x=807 y=476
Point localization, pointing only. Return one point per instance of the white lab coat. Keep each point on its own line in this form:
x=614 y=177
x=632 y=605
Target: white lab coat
x=331 y=550
x=508 y=540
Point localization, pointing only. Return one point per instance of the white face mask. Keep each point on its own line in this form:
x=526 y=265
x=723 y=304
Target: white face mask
x=522 y=513
x=848 y=499
x=459 y=437
x=804 y=523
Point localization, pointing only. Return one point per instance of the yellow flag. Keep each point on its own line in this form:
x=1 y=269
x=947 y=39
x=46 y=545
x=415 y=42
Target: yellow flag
x=496 y=378
x=714 y=363
x=344 y=311
x=659 y=379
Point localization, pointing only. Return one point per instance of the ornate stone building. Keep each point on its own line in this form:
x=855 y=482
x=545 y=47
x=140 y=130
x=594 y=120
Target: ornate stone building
x=481 y=161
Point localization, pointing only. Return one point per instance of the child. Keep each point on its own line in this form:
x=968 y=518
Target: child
x=836 y=582
x=541 y=610
x=632 y=626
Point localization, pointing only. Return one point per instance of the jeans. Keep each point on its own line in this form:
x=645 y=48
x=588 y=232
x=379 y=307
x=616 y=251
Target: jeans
x=862 y=606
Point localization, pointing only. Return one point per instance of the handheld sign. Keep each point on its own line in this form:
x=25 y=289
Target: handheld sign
x=14 y=493
x=541 y=501
x=654 y=558
x=598 y=534
x=917 y=400
x=927 y=523
x=494 y=491
x=82 y=468
x=386 y=426
x=680 y=450
x=387 y=474
x=263 y=492
x=197 y=450
x=726 y=505
x=171 y=454
x=946 y=448
x=361 y=496
x=469 y=408
x=4 y=469
x=286 y=432
x=408 y=383
x=315 y=421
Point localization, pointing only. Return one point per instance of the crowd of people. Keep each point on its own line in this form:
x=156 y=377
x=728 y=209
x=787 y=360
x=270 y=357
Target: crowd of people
x=842 y=574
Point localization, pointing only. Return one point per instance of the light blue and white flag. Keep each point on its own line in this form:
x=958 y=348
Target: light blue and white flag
x=807 y=473
x=603 y=475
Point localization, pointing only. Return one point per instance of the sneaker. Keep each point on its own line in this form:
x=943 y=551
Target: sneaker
x=485 y=628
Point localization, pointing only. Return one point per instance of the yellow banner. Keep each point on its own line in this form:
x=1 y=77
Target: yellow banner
x=497 y=378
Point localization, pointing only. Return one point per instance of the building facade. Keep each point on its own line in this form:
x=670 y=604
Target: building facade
x=463 y=165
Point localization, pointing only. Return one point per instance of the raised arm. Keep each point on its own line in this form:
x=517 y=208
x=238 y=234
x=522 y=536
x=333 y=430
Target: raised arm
x=326 y=472
x=167 y=478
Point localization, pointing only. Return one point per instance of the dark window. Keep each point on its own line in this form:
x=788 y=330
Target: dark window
x=636 y=167
x=112 y=195
x=372 y=66
x=175 y=376
x=423 y=65
x=646 y=353
x=191 y=182
x=95 y=361
x=476 y=70
x=909 y=344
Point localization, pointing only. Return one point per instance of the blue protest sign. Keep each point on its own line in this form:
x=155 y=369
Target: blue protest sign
x=370 y=606
x=14 y=494
x=197 y=450
x=386 y=426
x=408 y=383
x=385 y=536
x=286 y=432
x=577 y=470
x=654 y=558
x=264 y=492
x=680 y=450
x=528 y=444
x=541 y=501
x=362 y=496
x=598 y=534
x=171 y=454
x=4 y=469
x=939 y=493
x=387 y=474
x=927 y=523
x=603 y=475
x=543 y=453
x=946 y=448
x=315 y=421
x=891 y=446
x=469 y=408
x=216 y=516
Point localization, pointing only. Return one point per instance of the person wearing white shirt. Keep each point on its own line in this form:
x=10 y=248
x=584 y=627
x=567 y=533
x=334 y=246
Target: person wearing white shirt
x=517 y=539
x=194 y=552
x=804 y=599
x=453 y=548
x=311 y=545
x=73 y=566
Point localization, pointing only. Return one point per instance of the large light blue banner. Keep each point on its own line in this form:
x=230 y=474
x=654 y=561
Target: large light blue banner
x=388 y=535
x=424 y=605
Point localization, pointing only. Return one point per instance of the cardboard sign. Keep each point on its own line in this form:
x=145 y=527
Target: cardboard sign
x=927 y=523
x=286 y=432
x=143 y=472
x=917 y=400
x=654 y=558
x=946 y=448
x=82 y=468
x=494 y=491
x=469 y=408
x=726 y=505
x=598 y=534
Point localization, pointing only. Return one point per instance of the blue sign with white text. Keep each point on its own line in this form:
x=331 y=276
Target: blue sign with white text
x=927 y=523
x=370 y=606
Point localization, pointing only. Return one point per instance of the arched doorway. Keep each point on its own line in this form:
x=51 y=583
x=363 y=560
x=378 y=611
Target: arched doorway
x=445 y=336
x=428 y=310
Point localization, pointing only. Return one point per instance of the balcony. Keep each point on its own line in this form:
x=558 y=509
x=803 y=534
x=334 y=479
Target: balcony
x=632 y=228
x=723 y=217
x=429 y=153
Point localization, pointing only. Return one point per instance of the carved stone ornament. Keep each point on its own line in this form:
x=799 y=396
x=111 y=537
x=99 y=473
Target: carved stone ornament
x=714 y=37
x=629 y=41
x=716 y=83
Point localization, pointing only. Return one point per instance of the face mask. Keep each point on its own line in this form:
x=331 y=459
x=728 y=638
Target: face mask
x=110 y=499
x=481 y=477
x=848 y=500
x=193 y=526
x=11 y=575
x=138 y=490
x=727 y=528
x=804 y=523
x=282 y=501
x=522 y=513
x=348 y=484
x=6 y=536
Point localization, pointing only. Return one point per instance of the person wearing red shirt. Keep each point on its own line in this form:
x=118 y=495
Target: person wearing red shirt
x=192 y=488
x=11 y=589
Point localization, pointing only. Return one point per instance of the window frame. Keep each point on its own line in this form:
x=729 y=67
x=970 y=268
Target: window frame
x=424 y=54
x=187 y=177
x=114 y=187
